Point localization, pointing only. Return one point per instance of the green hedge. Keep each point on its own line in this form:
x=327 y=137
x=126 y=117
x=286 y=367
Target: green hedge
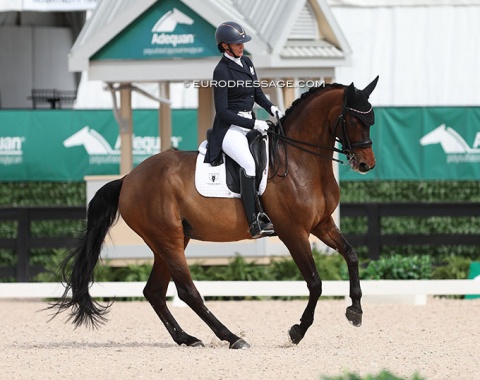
x=446 y=262
x=73 y=193
x=42 y=194
x=410 y=191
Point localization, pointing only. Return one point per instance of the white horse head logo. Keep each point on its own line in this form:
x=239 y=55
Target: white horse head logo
x=93 y=141
x=449 y=139
x=168 y=22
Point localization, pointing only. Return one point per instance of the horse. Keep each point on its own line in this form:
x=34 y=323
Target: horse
x=158 y=200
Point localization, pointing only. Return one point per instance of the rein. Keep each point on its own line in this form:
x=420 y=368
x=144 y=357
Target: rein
x=302 y=145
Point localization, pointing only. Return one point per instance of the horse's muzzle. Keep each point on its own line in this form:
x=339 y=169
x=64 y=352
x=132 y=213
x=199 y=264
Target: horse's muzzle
x=363 y=167
x=361 y=163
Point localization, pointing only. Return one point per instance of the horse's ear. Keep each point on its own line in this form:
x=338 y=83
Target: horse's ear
x=350 y=94
x=369 y=89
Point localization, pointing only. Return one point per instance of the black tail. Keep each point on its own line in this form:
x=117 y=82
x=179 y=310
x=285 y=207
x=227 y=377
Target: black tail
x=78 y=266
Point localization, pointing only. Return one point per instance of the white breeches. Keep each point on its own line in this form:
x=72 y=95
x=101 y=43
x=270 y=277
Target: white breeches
x=235 y=145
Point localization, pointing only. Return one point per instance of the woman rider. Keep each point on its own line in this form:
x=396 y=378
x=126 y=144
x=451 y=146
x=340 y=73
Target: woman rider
x=234 y=117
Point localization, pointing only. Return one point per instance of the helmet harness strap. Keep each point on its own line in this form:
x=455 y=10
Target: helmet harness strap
x=231 y=51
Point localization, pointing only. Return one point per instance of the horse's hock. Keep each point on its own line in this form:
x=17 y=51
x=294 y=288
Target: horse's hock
x=123 y=246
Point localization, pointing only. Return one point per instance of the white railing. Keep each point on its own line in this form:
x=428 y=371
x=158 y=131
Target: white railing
x=386 y=290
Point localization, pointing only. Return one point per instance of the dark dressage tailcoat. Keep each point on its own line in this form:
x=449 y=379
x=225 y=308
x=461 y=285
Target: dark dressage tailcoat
x=235 y=89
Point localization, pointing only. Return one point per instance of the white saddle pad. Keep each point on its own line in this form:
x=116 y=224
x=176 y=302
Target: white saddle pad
x=211 y=181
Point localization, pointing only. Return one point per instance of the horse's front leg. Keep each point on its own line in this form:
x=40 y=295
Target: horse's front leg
x=331 y=235
x=302 y=255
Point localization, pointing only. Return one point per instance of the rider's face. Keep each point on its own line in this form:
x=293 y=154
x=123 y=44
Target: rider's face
x=236 y=48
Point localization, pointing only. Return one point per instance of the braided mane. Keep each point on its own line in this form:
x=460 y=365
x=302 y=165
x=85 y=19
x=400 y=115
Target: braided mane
x=308 y=94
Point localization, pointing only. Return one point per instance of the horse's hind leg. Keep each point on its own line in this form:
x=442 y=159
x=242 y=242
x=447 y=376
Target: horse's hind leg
x=174 y=259
x=189 y=294
x=155 y=292
x=331 y=236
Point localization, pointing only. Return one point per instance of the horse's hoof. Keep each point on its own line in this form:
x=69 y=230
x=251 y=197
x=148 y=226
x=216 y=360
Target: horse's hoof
x=239 y=345
x=191 y=341
x=296 y=334
x=354 y=317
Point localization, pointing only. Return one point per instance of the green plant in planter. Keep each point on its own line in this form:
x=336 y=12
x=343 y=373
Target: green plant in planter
x=399 y=267
x=453 y=267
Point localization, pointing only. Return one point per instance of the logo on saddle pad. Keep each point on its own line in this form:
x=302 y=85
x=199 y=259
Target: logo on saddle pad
x=214 y=178
x=454 y=145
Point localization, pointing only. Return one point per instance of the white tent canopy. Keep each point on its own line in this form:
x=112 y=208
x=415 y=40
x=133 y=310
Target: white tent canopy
x=291 y=39
x=47 y=6
x=281 y=45
x=426 y=54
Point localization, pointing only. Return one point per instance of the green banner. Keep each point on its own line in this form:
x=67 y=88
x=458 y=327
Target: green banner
x=424 y=143
x=66 y=145
x=410 y=143
x=168 y=29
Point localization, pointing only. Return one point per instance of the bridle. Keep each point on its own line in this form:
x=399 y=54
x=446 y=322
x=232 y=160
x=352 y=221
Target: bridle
x=347 y=146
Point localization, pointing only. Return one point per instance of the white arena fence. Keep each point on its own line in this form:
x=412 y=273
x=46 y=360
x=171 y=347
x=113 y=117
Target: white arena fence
x=386 y=291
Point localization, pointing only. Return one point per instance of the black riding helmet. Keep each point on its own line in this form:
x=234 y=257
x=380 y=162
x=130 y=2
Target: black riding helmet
x=231 y=33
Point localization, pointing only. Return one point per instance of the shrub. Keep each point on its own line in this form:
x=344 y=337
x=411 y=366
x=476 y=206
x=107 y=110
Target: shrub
x=398 y=267
x=453 y=267
x=330 y=267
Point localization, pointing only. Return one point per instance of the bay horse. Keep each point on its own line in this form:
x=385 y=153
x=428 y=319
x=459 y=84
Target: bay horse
x=158 y=200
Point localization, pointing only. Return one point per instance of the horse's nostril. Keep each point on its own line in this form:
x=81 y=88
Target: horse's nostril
x=363 y=167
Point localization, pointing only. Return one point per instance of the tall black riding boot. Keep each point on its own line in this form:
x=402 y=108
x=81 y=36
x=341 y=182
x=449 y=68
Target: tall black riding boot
x=259 y=222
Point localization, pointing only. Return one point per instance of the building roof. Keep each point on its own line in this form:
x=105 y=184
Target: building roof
x=290 y=38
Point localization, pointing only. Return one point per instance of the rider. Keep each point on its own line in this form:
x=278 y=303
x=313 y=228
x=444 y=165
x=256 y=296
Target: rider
x=235 y=92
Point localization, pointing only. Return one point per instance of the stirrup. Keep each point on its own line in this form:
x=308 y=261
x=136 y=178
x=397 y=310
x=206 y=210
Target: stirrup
x=262 y=226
